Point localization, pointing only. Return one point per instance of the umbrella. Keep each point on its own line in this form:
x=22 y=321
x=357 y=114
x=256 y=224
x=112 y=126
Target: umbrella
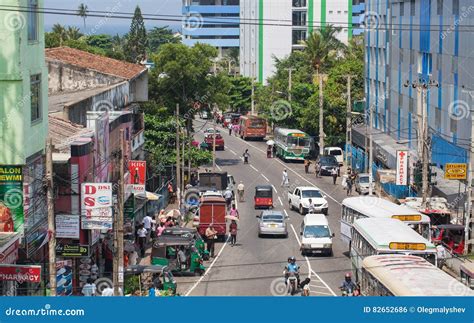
x=174 y=213
x=270 y=142
x=232 y=217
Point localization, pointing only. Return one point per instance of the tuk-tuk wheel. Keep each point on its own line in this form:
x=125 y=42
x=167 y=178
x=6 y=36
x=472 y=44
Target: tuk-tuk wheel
x=198 y=272
x=205 y=257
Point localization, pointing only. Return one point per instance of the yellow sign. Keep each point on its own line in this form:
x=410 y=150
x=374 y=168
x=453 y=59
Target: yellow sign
x=455 y=171
x=407 y=246
x=413 y=217
x=297 y=135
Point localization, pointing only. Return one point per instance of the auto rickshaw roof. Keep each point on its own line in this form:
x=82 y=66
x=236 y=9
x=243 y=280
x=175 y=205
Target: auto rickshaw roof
x=177 y=230
x=139 y=269
x=172 y=240
x=263 y=188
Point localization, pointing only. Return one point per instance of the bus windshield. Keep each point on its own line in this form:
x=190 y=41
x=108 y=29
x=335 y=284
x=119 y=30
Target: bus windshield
x=257 y=123
x=298 y=141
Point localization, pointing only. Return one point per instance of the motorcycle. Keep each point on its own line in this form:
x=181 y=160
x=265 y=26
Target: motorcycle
x=292 y=282
x=350 y=291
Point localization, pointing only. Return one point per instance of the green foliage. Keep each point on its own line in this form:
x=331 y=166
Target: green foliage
x=83 y=11
x=240 y=94
x=101 y=41
x=131 y=284
x=137 y=41
x=159 y=36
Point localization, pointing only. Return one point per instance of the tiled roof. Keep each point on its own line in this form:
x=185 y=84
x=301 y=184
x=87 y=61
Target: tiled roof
x=98 y=63
x=63 y=132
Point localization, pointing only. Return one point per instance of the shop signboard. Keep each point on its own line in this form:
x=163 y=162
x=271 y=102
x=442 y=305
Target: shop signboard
x=72 y=250
x=11 y=199
x=129 y=208
x=402 y=167
x=96 y=223
x=96 y=195
x=137 y=178
x=20 y=274
x=455 y=171
x=67 y=226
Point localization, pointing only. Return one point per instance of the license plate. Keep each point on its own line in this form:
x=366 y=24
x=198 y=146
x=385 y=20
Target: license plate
x=315 y=246
x=273 y=225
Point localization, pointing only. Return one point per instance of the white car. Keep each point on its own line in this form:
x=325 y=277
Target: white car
x=299 y=199
x=336 y=152
x=316 y=235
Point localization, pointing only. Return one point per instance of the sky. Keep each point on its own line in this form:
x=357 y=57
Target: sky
x=110 y=25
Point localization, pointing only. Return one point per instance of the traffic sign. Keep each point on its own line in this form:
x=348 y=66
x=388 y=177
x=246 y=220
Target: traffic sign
x=455 y=171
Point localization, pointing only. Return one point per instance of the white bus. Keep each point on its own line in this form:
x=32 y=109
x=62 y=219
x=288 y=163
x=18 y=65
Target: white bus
x=386 y=236
x=354 y=208
x=402 y=275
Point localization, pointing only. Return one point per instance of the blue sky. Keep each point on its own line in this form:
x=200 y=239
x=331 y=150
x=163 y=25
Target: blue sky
x=112 y=26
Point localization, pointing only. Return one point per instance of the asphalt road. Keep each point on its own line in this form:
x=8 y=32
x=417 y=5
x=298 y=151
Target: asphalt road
x=254 y=267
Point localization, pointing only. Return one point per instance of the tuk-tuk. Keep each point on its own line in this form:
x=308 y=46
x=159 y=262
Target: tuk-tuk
x=263 y=197
x=191 y=233
x=157 y=276
x=165 y=253
x=451 y=235
x=467 y=274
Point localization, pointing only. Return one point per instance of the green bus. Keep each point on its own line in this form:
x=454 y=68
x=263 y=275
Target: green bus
x=291 y=144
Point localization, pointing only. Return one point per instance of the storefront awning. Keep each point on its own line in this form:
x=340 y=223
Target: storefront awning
x=149 y=196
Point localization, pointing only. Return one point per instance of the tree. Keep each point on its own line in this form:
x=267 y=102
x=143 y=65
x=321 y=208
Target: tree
x=322 y=47
x=83 y=11
x=73 y=33
x=101 y=41
x=159 y=36
x=137 y=41
x=240 y=94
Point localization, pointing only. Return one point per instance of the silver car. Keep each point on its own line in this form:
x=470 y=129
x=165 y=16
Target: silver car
x=362 y=184
x=272 y=223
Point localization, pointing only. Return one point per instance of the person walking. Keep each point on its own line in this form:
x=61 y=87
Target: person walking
x=147 y=224
x=142 y=233
x=229 y=126
x=317 y=169
x=334 y=175
x=285 y=181
x=349 y=185
x=234 y=211
x=228 y=198
x=240 y=191
x=233 y=232
x=211 y=236
x=246 y=156
x=307 y=163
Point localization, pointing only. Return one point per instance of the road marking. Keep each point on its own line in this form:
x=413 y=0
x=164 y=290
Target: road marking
x=265 y=177
x=286 y=213
x=207 y=271
x=322 y=293
x=281 y=202
x=324 y=283
x=231 y=151
x=254 y=168
x=276 y=192
x=219 y=168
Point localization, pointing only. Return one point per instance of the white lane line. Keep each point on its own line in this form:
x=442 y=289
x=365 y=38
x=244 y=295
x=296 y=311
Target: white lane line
x=322 y=293
x=276 y=192
x=218 y=167
x=317 y=286
x=324 y=283
x=231 y=151
x=254 y=168
x=265 y=177
x=281 y=202
x=286 y=213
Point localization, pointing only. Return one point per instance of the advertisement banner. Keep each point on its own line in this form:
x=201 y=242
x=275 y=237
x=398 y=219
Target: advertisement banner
x=137 y=179
x=67 y=226
x=11 y=199
x=455 y=171
x=96 y=223
x=36 y=237
x=20 y=274
x=69 y=250
x=102 y=148
x=95 y=195
x=101 y=212
x=64 y=277
x=402 y=167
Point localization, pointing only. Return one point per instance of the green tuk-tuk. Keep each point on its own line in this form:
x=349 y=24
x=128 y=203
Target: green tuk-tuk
x=165 y=253
x=152 y=275
x=191 y=233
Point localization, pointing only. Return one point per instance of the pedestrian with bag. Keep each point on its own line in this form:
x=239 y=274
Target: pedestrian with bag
x=211 y=236
x=233 y=232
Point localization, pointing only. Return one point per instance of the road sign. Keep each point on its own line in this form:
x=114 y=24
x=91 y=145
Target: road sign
x=455 y=171
x=402 y=167
x=66 y=250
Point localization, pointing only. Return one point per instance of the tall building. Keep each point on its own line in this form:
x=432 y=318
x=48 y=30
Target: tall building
x=213 y=22
x=423 y=40
x=274 y=28
x=23 y=131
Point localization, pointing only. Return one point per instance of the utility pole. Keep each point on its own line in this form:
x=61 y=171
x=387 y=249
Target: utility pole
x=178 y=159
x=470 y=169
x=290 y=81
x=321 y=113
x=118 y=270
x=253 y=90
x=349 y=118
x=214 y=148
x=182 y=166
x=422 y=87
x=51 y=222
x=371 y=151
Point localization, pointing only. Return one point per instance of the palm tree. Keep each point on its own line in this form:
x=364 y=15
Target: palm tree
x=73 y=33
x=82 y=11
x=60 y=31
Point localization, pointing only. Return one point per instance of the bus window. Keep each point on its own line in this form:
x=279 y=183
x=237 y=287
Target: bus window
x=256 y=123
x=431 y=257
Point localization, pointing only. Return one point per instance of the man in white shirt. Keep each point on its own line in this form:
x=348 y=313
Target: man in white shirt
x=240 y=190
x=147 y=224
x=228 y=197
x=182 y=257
x=89 y=288
x=142 y=233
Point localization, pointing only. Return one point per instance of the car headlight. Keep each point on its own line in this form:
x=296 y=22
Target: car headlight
x=327 y=245
x=325 y=205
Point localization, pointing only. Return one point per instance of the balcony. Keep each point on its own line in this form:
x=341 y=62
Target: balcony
x=138 y=140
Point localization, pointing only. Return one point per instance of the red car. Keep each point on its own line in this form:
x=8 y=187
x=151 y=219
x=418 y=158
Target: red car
x=209 y=140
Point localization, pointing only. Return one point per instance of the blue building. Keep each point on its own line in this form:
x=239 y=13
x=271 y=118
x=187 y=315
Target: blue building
x=213 y=22
x=409 y=40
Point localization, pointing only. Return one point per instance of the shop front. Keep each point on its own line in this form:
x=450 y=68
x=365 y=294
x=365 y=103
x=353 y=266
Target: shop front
x=9 y=243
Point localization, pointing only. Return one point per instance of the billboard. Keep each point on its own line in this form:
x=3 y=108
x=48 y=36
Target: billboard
x=455 y=171
x=11 y=199
x=402 y=167
x=101 y=152
x=137 y=179
x=95 y=195
x=67 y=226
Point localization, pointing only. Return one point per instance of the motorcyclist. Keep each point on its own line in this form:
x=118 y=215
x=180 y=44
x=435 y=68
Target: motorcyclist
x=292 y=267
x=348 y=286
x=246 y=156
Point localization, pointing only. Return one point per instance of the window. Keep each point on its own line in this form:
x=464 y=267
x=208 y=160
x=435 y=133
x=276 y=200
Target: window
x=456 y=7
x=299 y=3
x=402 y=9
x=439 y=9
x=299 y=18
x=33 y=20
x=412 y=8
x=35 y=89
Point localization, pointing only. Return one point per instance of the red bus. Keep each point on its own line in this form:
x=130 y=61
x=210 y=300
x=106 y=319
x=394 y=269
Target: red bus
x=252 y=127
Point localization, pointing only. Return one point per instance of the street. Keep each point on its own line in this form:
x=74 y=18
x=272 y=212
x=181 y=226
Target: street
x=254 y=267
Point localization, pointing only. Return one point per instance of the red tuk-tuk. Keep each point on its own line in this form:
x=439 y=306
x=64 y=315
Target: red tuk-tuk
x=263 y=197
x=212 y=210
x=450 y=235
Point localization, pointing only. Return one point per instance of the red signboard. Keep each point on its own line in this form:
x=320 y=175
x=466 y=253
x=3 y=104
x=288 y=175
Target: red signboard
x=137 y=177
x=20 y=274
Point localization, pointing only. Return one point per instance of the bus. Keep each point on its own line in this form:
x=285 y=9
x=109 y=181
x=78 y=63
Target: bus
x=291 y=144
x=354 y=208
x=404 y=275
x=372 y=236
x=252 y=127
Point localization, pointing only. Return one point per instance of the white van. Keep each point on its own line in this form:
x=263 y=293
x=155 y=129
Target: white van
x=316 y=235
x=336 y=152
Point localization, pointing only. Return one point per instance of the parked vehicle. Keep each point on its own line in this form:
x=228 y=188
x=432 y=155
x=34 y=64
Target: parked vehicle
x=362 y=184
x=451 y=235
x=328 y=163
x=213 y=210
x=252 y=127
x=299 y=199
x=165 y=253
x=209 y=140
x=272 y=223
x=316 y=235
x=213 y=181
x=263 y=197
x=336 y=152
x=191 y=233
x=467 y=274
